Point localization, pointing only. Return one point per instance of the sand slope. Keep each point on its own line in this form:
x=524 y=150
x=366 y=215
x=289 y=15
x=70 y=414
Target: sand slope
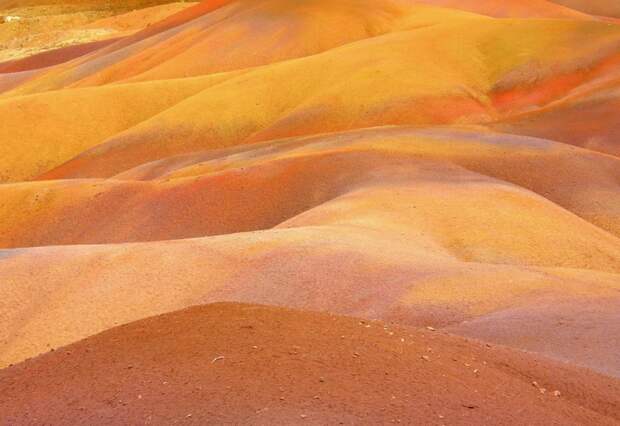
x=306 y=96
x=257 y=365
x=61 y=29
x=596 y=7
x=346 y=269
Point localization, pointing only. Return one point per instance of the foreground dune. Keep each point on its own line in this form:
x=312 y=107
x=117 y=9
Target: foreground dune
x=275 y=366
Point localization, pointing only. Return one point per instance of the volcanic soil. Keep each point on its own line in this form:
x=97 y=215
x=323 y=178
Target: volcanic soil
x=442 y=164
x=235 y=363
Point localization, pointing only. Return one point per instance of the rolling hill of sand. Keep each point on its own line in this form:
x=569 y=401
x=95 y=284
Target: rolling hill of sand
x=30 y=29
x=436 y=163
x=595 y=7
x=276 y=366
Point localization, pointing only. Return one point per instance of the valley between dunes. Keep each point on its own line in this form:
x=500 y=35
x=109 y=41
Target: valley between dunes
x=447 y=169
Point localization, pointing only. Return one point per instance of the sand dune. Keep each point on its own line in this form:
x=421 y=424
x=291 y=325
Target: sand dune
x=588 y=120
x=596 y=7
x=514 y=8
x=280 y=367
x=71 y=121
x=354 y=270
x=437 y=163
x=314 y=101
x=259 y=188
x=64 y=31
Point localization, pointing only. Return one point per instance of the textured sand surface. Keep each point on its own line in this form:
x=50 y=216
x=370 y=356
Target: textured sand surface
x=437 y=163
x=28 y=28
x=596 y=7
x=256 y=365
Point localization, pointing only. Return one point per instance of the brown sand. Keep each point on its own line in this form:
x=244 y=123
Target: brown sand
x=228 y=363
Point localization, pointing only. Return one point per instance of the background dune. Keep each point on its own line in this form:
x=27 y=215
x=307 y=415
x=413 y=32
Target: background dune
x=596 y=7
x=28 y=28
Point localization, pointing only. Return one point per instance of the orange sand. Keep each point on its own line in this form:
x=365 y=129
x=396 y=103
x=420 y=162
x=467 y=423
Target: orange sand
x=431 y=163
x=247 y=364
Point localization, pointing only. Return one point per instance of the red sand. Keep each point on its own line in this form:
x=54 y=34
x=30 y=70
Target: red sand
x=247 y=364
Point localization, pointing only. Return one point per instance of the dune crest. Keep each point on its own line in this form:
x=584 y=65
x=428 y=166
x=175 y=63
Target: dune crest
x=280 y=367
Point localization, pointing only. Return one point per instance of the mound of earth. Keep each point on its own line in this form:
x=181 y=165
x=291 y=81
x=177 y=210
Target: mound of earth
x=40 y=34
x=595 y=7
x=230 y=363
